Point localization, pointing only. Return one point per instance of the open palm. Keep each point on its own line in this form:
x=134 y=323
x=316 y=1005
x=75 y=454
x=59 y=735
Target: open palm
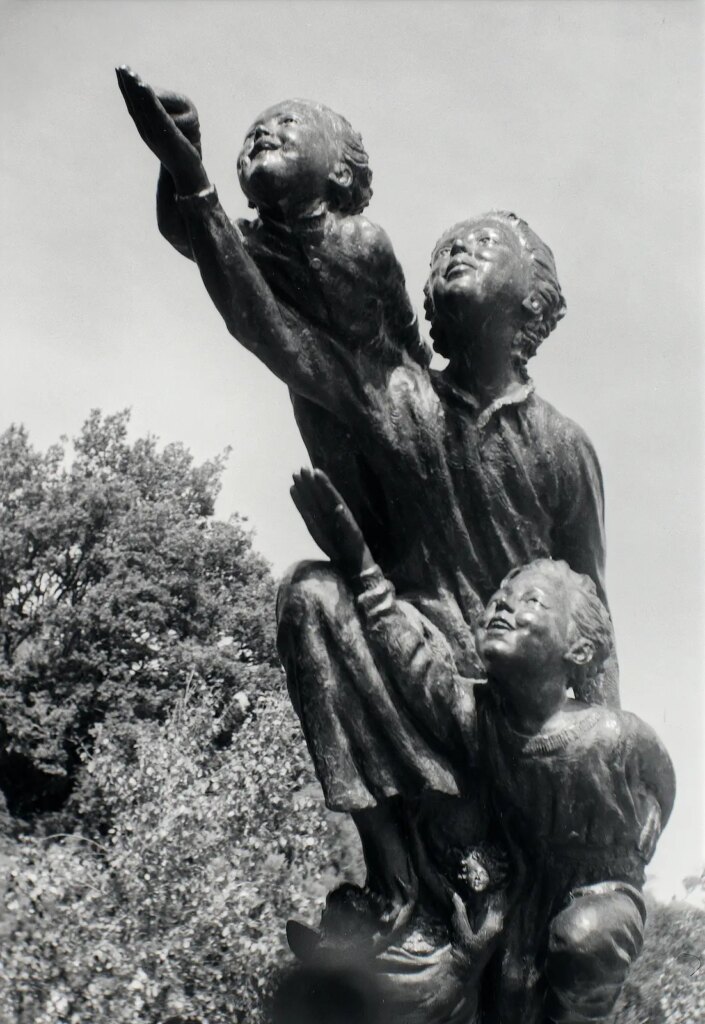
x=169 y=127
x=330 y=522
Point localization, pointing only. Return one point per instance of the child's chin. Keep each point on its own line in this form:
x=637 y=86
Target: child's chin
x=262 y=176
x=495 y=648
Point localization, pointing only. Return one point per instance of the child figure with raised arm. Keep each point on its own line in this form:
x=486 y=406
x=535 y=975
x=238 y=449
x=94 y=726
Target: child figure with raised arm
x=310 y=258
x=581 y=791
x=305 y=171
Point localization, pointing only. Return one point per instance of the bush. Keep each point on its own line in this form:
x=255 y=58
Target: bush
x=667 y=983
x=179 y=908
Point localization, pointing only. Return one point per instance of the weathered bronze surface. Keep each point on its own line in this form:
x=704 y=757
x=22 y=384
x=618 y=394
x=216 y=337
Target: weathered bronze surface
x=453 y=664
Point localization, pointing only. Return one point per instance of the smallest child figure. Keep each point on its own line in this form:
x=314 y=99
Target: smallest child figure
x=584 y=792
x=581 y=792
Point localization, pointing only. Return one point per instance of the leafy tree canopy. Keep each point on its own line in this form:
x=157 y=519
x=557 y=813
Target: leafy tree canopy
x=177 y=909
x=116 y=586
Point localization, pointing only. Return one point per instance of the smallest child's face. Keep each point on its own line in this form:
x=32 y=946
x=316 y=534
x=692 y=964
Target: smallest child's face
x=526 y=626
x=288 y=154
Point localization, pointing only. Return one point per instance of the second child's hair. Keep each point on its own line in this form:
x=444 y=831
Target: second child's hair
x=542 y=314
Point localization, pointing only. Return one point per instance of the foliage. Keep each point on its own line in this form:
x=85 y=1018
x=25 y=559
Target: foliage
x=138 y=673
x=667 y=983
x=138 y=669
x=115 y=586
x=179 y=908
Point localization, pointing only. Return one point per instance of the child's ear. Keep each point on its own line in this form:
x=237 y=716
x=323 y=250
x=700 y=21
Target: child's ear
x=580 y=652
x=342 y=175
x=532 y=304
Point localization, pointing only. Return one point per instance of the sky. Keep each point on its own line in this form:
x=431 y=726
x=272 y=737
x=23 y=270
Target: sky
x=585 y=118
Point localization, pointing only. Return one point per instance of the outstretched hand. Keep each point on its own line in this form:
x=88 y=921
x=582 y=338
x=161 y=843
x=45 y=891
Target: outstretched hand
x=184 y=115
x=330 y=522
x=168 y=124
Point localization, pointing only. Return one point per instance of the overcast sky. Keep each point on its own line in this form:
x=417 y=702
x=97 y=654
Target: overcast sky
x=583 y=117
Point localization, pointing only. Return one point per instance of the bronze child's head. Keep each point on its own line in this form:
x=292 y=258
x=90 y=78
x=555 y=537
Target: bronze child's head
x=545 y=625
x=492 y=266
x=298 y=153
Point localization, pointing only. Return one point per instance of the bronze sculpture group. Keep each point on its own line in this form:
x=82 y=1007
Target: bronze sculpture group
x=453 y=663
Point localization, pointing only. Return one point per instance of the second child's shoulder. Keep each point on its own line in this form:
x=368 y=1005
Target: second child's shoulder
x=555 y=419
x=557 y=428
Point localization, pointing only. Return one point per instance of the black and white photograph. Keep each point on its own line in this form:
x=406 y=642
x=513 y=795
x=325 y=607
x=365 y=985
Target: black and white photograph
x=352 y=450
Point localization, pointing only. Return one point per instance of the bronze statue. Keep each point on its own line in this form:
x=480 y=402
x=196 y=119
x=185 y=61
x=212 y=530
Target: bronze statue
x=472 y=447
x=456 y=478
x=306 y=172
x=581 y=792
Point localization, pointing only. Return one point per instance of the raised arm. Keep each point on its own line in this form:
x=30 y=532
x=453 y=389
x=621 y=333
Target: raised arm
x=237 y=288
x=412 y=653
x=169 y=220
x=309 y=364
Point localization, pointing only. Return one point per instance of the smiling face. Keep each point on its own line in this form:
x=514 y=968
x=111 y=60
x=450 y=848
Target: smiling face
x=526 y=627
x=479 y=266
x=290 y=153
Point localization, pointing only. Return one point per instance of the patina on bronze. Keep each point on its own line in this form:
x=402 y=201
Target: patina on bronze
x=457 y=479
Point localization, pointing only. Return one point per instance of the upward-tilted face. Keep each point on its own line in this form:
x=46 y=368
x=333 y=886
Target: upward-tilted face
x=289 y=153
x=479 y=266
x=526 y=626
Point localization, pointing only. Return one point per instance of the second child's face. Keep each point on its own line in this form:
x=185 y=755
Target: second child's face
x=287 y=154
x=477 y=265
x=526 y=625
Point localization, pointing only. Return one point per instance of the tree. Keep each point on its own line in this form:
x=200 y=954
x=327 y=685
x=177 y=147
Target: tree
x=179 y=906
x=116 y=586
x=139 y=676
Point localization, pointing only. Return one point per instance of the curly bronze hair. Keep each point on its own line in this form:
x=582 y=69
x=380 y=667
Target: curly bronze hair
x=355 y=196
x=352 y=198
x=544 y=307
